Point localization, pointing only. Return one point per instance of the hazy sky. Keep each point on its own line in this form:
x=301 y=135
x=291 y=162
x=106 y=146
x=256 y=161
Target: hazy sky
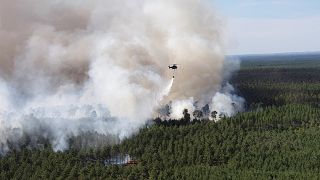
x=269 y=26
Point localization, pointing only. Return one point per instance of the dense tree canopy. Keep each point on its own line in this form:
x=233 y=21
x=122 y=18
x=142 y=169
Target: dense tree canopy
x=278 y=137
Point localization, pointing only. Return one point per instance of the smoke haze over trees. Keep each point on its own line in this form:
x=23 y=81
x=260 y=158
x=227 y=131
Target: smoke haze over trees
x=69 y=67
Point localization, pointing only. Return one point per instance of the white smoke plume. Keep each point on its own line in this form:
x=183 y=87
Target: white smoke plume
x=224 y=101
x=68 y=67
x=178 y=106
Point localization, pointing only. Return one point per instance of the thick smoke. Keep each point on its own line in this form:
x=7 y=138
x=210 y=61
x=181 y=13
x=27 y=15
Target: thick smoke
x=224 y=101
x=68 y=67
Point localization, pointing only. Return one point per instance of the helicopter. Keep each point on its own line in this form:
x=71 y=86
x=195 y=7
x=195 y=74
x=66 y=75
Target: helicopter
x=173 y=66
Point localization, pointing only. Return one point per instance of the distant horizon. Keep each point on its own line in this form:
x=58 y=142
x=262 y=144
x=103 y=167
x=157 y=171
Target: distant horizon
x=277 y=53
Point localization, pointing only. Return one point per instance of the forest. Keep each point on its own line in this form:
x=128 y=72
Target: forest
x=277 y=137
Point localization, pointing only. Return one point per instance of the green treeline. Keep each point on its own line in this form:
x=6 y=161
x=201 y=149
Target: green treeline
x=274 y=142
x=279 y=86
x=277 y=138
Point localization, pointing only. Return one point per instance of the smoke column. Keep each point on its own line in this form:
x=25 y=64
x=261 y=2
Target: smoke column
x=68 y=67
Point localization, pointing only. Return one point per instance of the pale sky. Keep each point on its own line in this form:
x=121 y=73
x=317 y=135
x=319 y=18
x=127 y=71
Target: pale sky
x=270 y=26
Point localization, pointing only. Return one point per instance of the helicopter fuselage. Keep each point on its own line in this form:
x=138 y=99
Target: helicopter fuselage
x=173 y=67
